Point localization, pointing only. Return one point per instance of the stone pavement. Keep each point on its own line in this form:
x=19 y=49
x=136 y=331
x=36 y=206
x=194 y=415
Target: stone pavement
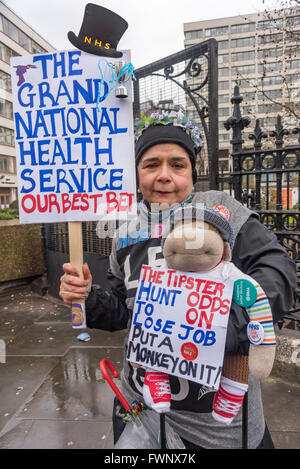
x=52 y=394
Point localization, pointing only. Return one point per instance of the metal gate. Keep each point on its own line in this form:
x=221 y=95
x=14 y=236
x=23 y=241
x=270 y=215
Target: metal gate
x=266 y=178
x=187 y=80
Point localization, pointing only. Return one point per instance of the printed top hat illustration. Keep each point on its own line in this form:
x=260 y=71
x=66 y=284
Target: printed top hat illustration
x=100 y=32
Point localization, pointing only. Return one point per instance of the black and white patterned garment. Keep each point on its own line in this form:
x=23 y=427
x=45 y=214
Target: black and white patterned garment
x=257 y=253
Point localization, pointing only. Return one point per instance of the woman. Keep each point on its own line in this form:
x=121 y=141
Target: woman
x=165 y=159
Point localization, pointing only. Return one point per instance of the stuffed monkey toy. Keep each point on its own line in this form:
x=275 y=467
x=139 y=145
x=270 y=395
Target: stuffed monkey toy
x=213 y=252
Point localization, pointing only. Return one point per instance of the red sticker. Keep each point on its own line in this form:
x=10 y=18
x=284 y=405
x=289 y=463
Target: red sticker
x=189 y=351
x=222 y=210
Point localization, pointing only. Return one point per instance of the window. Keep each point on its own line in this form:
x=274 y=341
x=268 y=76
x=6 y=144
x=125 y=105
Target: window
x=244 y=83
x=222 y=45
x=19 y=36
x=223 y=58
x=10 y=29
x=216 y=31
x=267 y=24
x=293 y=36
x=290 y=120
x=36 y=49
x=199 y=60
x=6 y=136
x=293 y=79
x=193 y=115
x=270 y=38
x=243 y=42
x=24 y=40
x=13 y=32
x=5 y=25
x=223 y=72
x=238 y=56
x=250 y=95
x=268 y=121
x=271 y=80
x=247 y=110
x=6 y=108
x=193 y=34
x=270 y=67
x=269 y=107
x=293 y=64
x=5 y=81
x=244 y=69
x=293 y=20
x=242 y=28
x=223 y=111
x=6 y=53
x=223 y=85
x=224 y=137
x=4 y=201
x=3 y=163
x=265 y=53
x=291 y=50
x=2 y=51
x=223 y=98
x=269 y=93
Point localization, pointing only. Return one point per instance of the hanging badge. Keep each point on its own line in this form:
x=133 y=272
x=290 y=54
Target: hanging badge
x=244 y=293
x=222 y=210
x=255 y=332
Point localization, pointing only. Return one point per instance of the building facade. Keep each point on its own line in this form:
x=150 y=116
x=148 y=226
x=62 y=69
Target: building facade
x=16 y=38
x=260 y=53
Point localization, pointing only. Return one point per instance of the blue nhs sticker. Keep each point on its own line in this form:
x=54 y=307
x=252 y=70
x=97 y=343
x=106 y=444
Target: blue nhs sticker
x=255 y=332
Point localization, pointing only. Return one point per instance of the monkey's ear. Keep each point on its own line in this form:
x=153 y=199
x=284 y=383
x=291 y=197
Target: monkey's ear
x=227 y=253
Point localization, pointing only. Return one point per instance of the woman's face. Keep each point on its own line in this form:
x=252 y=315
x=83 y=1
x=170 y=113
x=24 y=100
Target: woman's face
x=165 y=174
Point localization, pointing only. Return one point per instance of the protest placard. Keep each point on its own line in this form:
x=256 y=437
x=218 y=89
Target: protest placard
x=74 y=143
x=74 y=138
x=179 y=323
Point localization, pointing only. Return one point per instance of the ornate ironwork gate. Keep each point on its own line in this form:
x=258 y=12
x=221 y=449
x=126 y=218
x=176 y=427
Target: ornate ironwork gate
x=266 y=178
x=186 y=80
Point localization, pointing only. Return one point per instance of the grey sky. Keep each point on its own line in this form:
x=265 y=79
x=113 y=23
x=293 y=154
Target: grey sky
x=155 y=26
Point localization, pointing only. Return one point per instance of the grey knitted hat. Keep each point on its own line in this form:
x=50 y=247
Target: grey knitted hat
x=190 y=212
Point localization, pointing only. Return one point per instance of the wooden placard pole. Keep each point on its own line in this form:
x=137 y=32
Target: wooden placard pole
x=76 y=258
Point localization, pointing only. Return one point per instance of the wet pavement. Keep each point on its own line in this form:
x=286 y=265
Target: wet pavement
x=53 y=395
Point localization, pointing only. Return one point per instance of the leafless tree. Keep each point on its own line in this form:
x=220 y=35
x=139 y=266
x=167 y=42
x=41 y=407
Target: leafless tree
x=280 y=29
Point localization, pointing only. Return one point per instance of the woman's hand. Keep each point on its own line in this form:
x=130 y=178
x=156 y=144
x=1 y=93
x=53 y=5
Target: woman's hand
x=72 y=287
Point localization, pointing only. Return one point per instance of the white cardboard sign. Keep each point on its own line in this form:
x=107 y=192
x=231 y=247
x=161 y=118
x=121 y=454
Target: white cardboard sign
x=179 y=324
x=74 y=138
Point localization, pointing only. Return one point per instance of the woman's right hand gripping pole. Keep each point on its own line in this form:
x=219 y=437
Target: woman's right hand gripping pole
x=72 y=287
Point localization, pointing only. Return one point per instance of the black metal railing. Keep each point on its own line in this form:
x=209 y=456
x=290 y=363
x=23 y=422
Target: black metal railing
x=266 y=178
